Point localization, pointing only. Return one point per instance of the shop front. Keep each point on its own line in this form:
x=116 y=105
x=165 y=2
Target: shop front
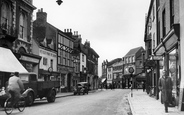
x=169 y=49
x=30 y=62
x=66 y=78
x=8 y=64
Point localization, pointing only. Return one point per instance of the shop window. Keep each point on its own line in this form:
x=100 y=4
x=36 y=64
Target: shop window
x=44 y=61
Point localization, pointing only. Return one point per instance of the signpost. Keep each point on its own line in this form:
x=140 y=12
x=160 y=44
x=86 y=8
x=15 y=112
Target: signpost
x=131 y=71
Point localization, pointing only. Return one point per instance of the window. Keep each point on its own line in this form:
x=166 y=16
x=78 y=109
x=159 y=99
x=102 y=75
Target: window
x=23 y=26
x=64 y=61
x=82 y=68
x=44 y=61
x=171 y=13
x=130 y=60
x=82 y=57
x=153 y=13
x=68 y=62
x=158 y=32
x=153 y=40
x=59 y=60
x=6 y=17
x=163 y=23
x=51 y=63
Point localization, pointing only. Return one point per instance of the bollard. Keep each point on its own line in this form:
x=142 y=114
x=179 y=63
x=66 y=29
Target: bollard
x=131 y=92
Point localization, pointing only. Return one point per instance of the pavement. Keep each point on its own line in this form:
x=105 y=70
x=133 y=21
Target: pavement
x=142 y=104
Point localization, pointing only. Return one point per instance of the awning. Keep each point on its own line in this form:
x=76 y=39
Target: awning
x=9 y=63
x=103 y=80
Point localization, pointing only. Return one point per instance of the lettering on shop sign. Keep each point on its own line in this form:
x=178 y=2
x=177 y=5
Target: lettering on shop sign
x=47 y=53
x=25 y=58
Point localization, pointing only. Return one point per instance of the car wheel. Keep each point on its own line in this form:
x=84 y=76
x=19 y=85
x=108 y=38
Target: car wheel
x=52 y=96
x=29 y=99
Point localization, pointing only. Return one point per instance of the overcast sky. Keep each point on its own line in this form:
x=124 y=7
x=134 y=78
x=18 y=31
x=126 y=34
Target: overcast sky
x=113 y=27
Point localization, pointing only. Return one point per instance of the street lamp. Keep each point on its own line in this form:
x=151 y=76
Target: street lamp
x=59 y=2
x=131 y=71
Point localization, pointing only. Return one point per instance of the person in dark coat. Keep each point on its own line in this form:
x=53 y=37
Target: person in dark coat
x=143 y=86
x=165 y=86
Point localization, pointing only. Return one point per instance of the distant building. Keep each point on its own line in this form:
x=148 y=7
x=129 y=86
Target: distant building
x=133 y=59
x=118 y=79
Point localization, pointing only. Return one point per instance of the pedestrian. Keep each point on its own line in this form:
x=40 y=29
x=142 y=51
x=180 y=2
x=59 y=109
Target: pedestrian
x=143 y=86
x=165 y=86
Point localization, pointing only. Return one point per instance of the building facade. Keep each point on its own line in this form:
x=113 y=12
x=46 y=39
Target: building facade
x=17 y=32
x=65 y=58
x=118 y=79
x=181 y=87
x=92 y=66
x=167 y=45
x=133 y=60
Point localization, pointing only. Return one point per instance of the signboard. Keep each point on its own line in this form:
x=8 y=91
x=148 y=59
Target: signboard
x=131 y=70
x=157 y=57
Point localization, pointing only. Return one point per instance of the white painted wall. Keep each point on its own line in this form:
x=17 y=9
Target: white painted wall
x=82 y=63
x=109 y=75
x=49 y=55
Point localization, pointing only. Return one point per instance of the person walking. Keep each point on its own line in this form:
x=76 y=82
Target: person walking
x=143 y=86
x=165 y=86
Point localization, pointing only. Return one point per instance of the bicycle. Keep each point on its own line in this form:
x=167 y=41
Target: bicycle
x=20 y=105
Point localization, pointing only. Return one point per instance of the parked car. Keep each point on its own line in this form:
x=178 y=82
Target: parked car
x=82 y=87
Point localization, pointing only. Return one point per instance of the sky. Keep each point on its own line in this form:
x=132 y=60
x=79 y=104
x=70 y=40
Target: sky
x=113 y=27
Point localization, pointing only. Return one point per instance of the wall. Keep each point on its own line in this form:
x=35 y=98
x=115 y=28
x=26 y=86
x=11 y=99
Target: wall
x=49 y=55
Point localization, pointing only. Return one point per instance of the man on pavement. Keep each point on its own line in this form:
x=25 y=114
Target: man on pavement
x=15 y=86
x=165 y=86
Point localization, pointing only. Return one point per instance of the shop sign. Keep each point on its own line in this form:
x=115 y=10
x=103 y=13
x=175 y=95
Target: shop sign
x=29 y=59
x=157 y=57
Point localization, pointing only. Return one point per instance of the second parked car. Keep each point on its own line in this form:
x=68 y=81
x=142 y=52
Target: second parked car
x=82 y=87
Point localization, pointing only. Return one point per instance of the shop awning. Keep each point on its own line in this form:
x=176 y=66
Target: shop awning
x=9 y=63
x=103 y=80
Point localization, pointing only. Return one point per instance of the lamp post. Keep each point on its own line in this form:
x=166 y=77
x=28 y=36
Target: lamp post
x=131 y=71
x=85 y=74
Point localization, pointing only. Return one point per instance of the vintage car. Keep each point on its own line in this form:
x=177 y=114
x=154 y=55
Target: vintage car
x=82 y=87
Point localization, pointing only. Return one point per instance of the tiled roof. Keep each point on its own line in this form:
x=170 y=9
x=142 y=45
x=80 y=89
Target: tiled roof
x=133 y=51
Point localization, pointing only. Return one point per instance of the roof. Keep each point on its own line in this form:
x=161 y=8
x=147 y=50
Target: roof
x=114 y=61
x=133 y=51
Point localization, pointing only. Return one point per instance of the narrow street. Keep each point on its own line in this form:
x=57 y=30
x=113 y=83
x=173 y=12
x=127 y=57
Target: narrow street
x=105 y=102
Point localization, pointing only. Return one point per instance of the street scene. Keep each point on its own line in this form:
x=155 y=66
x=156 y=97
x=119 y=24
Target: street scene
x=101 y=102
x=91 y=57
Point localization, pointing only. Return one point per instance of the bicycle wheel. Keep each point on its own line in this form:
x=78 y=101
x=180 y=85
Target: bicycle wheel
x=21 y=104
x=8 y=106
